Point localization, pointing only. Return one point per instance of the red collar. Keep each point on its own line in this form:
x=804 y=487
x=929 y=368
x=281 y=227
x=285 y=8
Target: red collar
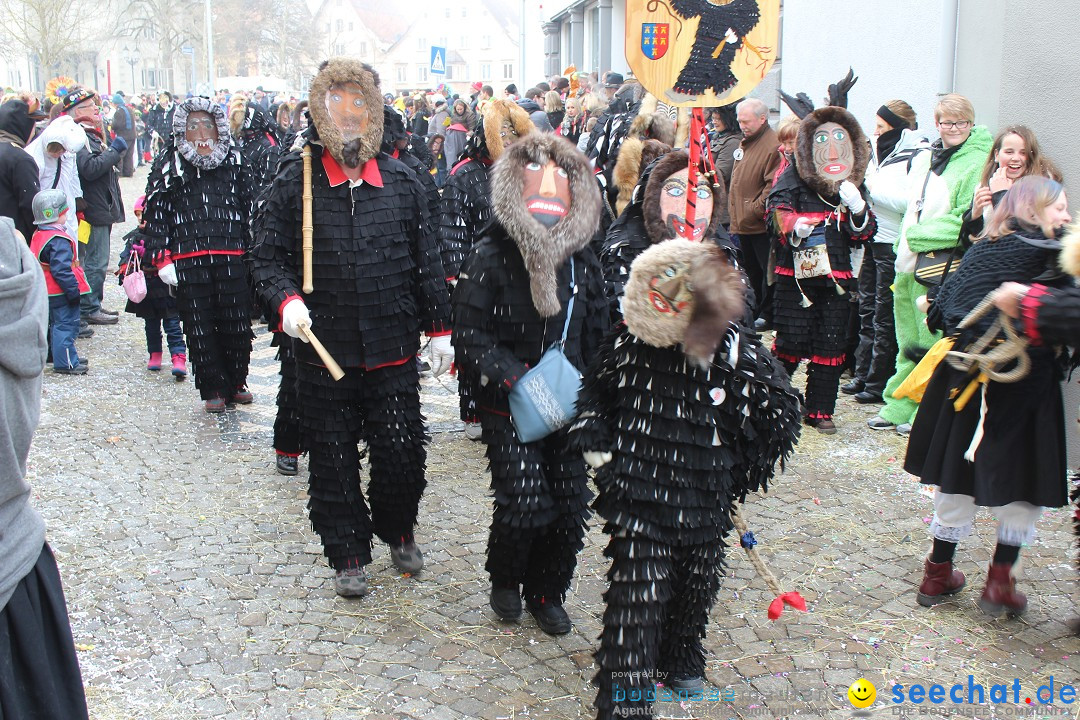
x=369 y=173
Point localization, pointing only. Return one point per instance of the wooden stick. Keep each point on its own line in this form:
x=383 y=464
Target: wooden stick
x=335 y=370
x=307 y=228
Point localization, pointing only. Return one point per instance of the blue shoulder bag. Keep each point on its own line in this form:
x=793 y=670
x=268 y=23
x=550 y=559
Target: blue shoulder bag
x=545 y=398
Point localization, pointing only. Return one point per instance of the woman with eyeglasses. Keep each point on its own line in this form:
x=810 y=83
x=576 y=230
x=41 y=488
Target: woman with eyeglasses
x=985 y=439
x=942 y=184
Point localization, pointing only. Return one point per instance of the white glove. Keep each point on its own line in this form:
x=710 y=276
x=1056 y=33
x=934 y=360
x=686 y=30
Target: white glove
x=293 y=316
x=442 y=354
x=803 y=227
x=168 y=275
x=731 y=37
x=851 y=197
x=596 y=458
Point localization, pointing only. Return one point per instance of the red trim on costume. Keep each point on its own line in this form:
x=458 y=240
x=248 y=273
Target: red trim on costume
x=841 y=275
x=288 y=299
x=784 y=356
x=438 y=333
x=200 y=253
x=395 y=154
x=831 y=361
x=392 y=363
x=1029 y=312
x=285 y=454
x=270 y=137
x=818 y=415
x=787 y=272
x=786 y=218
x=369 y=173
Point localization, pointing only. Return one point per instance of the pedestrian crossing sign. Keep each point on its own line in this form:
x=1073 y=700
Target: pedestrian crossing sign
x=438 y=60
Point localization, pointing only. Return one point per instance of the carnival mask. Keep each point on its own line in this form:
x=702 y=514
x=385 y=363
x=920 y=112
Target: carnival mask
x=202 y=132
x=673 y=198
x=348 y=110
x=508 y=133
x=670 y=292
x=546 y=191
x=834 y=155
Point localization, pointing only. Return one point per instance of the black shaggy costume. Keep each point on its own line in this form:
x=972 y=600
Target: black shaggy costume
x=465 y=209
x=197 y=209
x=378 y=282
x=509 y=307
x=253 y=133
x=812 y=315
x=709 y=65
x=695 y=414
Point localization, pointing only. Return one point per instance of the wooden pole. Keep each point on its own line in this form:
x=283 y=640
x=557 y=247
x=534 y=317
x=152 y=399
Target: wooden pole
x=335 y=370
x=307 y=228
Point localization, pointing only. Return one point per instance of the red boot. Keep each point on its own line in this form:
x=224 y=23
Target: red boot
x=1000 y=594
x=938 y=583
x=179 y=365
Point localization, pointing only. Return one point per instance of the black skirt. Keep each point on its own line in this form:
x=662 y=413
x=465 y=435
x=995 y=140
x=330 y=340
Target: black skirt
x=1021 y=456
x=39 y=672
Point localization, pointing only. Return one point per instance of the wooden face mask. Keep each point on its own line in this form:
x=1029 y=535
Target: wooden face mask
x=673 y=198
x=546 y=191
x=348 y=110
x=834 y=155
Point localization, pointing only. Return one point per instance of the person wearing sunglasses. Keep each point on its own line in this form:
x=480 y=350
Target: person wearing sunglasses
x=942 y=184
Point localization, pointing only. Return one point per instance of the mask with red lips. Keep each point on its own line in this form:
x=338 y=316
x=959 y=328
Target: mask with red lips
x=673 y=205
x=546 y=191
x=834 y=155
x=670 y=292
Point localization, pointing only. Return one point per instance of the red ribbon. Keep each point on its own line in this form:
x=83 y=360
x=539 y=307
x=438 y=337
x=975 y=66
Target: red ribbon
x=793 y=599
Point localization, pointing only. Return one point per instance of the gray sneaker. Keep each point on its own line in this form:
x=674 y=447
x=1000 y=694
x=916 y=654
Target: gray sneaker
x=407 y=558
x=903 y=429
x=351 y=582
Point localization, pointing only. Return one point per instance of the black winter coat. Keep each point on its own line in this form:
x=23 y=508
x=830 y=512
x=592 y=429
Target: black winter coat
x=99 y=173
x=464 y=212
x=378 y=280
x=498 y=334
x=18 y=186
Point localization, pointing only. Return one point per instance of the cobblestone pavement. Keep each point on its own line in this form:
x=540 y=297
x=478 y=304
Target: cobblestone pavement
x=197 y=589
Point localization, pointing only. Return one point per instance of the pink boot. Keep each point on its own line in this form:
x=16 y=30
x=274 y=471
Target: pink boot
x=154 y=363
x=179 y=366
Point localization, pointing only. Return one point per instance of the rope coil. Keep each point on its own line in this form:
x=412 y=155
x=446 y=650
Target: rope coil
x=990 y=353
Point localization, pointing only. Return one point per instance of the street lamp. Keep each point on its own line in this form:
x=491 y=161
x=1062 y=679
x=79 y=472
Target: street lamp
x=131 y=57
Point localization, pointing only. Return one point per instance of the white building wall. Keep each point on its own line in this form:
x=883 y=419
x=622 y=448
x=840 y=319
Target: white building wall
x=892 y=46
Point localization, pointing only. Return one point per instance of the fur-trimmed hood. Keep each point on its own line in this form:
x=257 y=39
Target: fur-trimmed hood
x=667 y=166
x=545 y=250
x=804 y=148
x=494 y=114
x=1069 y=259
x=712 y=284
x=179 y=132
x=337 y=71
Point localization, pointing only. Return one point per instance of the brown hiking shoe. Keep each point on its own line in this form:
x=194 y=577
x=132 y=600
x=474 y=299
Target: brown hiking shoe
x=939 y=582
x=1000 y=594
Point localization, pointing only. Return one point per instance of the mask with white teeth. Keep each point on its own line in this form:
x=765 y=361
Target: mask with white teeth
x=200 y=133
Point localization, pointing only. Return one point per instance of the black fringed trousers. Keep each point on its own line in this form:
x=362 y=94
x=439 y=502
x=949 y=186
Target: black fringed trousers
x=657 y=606
x=541 y=500
x=382 y=408
x=213 y=300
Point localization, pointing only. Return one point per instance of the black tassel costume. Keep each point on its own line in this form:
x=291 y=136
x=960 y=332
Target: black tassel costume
x=687 y=442
x=812 y=315
x=465 y=207
x=197 y=209
x=709 y=65
x=540 y=489
x=378 y=282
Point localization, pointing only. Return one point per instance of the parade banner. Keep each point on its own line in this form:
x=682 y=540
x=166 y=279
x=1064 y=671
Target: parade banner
x=701 y=53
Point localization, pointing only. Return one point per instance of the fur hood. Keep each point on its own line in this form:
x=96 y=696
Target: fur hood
x=336 y=71
x=634 y=156
x=717 y=298
x=544 y=251
x=179 y=132
x=1070 y=250
x=494 y=114
x=804 y=148
x=667 y=166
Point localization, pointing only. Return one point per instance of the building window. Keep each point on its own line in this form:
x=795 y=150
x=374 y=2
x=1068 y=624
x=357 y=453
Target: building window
x=464 y=12
x=464 y=42
x=485 y=71
x=421 y=73
x=447 y=12
x=339 y=49
x=485 y=41
x=508 y=71
x=449 y=72
x=363 y=47
x=421 y=43
x=327 y=27
x=350 y=27
x=340 y=25
x=402 y=73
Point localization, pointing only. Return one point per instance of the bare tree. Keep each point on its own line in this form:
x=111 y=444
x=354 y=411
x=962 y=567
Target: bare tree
x=42 y=29
x=170 y=24
x=289 y=42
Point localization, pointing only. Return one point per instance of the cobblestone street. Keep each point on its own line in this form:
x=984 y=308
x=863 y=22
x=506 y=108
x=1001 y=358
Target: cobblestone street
x=197 y=589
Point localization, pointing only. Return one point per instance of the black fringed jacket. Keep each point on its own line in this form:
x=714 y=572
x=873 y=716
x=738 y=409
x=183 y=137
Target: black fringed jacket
x=464 y=212
x=498 y=334
x=686 y=443
x=378 y=280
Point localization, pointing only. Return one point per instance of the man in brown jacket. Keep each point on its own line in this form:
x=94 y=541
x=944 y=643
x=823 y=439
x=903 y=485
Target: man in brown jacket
x=756 y=161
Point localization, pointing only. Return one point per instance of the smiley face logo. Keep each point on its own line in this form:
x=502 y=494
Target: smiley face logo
x=862 y=693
